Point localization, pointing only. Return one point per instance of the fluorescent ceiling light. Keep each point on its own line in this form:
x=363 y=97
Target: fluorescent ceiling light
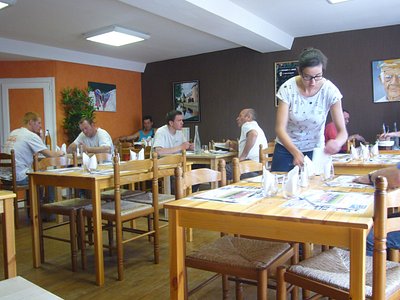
x=336 y=1
x=116 y=36
x=5 y=3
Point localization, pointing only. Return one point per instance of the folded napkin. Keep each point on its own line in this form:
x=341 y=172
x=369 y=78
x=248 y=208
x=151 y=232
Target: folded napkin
x=375 y=149
x=354 y=153
x=320 y=158
x=63 y=148
x=140 y=155
x=291 y=185
x=309 y=166
x=269 y=183
x=364 y=151
x=78 y=153
x=90 y=163
x=133 y=155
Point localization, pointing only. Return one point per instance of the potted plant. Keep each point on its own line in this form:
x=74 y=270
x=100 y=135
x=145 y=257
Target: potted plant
x=77 y=105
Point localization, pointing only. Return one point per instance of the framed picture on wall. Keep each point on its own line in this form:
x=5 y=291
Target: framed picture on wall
x=283 y=71
x=186 y=99
x=103 y=95
x=386 y=80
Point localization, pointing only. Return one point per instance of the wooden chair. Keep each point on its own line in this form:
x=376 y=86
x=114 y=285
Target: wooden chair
x=7 y=161
x=119 y=211
x=67 y=207
x=231 y=255
x=266 y=154
x=328 y=273
x=245 y=166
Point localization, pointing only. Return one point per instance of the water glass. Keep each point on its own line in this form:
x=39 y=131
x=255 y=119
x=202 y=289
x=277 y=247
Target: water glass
x=329 y=172
x=204 y=148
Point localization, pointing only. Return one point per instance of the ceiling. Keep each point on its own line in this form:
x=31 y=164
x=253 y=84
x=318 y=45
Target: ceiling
x=53 y=29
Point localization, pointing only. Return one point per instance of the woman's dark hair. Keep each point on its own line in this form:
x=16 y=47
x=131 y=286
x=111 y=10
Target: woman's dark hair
x=312 y=57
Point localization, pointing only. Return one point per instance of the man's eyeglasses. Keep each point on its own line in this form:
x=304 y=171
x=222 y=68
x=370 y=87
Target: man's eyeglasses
x=309 y=77
x=389 y=77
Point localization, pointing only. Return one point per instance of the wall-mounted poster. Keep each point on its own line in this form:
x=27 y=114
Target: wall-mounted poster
x=386 y=80
x=103 y=95
x=187 y=100
x=283 y=71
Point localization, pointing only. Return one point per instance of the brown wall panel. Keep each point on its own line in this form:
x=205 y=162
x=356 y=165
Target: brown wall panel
x=238 y=78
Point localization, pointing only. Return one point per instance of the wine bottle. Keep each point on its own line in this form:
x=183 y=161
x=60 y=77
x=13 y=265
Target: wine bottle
x=197 y=143
x=48 y=139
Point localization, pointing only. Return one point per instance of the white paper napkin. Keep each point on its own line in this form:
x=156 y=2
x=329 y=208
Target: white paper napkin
x=309 y=166
x=291 y=186
x=78 y=153
x=364 y=151
x=141 y=154
x=320 y=158
x=133 y=155
x=269 y=183
x=375 y=149
x=63 y=148
x=90 y=163
x=354 y=152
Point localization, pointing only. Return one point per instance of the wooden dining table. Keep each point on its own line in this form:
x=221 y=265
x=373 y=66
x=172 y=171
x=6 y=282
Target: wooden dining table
x=79 y=179
x=7 y=211
x=343 y=164
x=267 y=218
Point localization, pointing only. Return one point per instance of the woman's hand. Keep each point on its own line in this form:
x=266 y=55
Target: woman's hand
x=298 y=159
x=332 y=147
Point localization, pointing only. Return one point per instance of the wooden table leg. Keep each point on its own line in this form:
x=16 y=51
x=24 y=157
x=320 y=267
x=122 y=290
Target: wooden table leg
x=213 y=166
x=97 y=232
x=35 y=222
x=177 y=257
x=10 y=264
x=357 y=264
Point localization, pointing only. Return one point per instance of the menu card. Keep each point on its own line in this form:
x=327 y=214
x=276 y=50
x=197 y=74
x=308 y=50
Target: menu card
x=231 y=194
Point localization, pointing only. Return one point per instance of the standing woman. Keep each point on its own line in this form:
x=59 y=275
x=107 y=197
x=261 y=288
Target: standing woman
x=305 y=101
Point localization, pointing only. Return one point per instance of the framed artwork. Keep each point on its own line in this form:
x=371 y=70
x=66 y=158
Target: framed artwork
x=103 y=95
x=186 y=99
x=283 y=71
x=386 y=80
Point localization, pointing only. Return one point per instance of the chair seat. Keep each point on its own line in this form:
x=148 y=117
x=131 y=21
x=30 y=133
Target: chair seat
x=240 y=252
x=333 y=267
x=147 y=198
x=127 y=207
x=66 y=205
x=109 y=194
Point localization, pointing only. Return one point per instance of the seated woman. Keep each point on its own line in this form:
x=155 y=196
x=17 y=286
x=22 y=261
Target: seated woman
x=143 y=134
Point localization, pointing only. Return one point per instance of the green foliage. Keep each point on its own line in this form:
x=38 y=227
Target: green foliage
x=77 y=105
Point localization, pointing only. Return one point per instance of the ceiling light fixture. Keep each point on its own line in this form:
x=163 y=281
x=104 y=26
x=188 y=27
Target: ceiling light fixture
x=336 y=1
x=5 y=3
x=116 y=36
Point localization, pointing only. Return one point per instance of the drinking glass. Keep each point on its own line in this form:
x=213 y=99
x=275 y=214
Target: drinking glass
x=204 y=148
x=329 y=172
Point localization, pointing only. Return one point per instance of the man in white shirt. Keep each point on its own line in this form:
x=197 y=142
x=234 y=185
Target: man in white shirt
x=91 y=139
x=26 y=142
x=169 y=138
x=251 y=136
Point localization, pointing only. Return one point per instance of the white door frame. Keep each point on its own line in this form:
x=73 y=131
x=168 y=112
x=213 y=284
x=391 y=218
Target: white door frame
x=48 y=86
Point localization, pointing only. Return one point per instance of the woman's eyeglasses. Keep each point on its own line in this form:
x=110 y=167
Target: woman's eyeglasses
x=309 y=77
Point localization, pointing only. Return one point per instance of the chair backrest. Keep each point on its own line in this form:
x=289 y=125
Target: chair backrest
x=183 y=181
x=266 y=154
x=41 y=164
x=123 y=149
x=382 y=226
x=243 y=167
x=7 y=161
x=142 y=170
x=166 y=164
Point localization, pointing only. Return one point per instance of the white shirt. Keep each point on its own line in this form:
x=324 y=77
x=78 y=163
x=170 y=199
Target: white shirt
x=254 y=153
x=25 y=144
x=100 y=139
x=164 y=139
x=307 y=115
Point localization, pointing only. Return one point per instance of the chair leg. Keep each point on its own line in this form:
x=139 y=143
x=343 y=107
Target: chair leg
x=120 y=250
x=73 y=239
x=41 y=241
x=281 y=285
x=239 y=289
x=262 y=285
x=81 y=237
x=110 y=237
x=225 y=287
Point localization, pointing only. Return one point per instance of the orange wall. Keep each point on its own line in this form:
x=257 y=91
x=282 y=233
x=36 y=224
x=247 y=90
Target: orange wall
x=126 y=120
